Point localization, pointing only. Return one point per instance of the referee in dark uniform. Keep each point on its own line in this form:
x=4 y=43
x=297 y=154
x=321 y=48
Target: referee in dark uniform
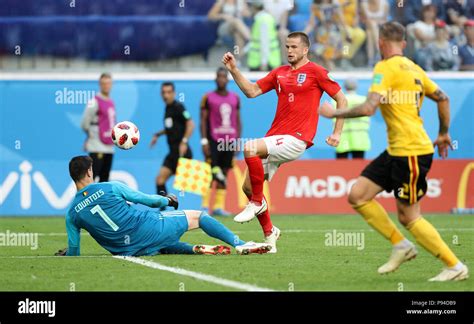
x=178 y=128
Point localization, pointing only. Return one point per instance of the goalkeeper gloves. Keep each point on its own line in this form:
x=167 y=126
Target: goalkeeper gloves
x=61 y=252
x=172 y=199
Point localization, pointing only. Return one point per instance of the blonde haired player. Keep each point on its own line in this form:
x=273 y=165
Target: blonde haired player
x=398 y=88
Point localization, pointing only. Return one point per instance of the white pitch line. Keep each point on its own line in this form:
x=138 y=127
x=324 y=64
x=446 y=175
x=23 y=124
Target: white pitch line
x=296 y=230
x=193 y=274
x=61 y=234
x=468 y=229
x=54 y=257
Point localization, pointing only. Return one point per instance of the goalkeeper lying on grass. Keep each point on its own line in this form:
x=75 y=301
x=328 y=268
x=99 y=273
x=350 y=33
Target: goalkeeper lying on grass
x=121 y=229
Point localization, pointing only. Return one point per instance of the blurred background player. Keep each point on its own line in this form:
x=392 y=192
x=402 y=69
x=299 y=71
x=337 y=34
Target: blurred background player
x=103 y=210
x=355 y=139
x=406 y=162
x=220 y=130
x=98 y=121
x=299 y=87
x=178 y=129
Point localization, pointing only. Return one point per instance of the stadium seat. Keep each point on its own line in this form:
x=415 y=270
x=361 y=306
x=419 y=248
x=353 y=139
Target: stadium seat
x=303 y=7
x=100 y=29
x=297 y=22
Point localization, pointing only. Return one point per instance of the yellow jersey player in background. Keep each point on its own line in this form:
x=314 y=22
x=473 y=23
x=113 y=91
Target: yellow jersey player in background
x=398 y=88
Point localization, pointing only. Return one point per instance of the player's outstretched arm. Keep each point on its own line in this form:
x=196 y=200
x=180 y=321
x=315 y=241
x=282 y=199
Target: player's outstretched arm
x=443 y=141
x=73 y=238
x=367 y=108
x=250 y=89
x=139 y=197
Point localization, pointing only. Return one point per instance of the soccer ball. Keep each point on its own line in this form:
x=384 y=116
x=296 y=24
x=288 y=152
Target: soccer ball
x=125 y=135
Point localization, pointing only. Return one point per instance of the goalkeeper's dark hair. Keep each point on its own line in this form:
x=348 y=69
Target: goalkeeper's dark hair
x=78 y=167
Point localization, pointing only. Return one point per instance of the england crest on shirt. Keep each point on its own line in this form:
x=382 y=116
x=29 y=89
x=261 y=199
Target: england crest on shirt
x=301 y=78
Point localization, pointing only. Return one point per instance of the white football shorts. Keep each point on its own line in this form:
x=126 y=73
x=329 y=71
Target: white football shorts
x=281 y=149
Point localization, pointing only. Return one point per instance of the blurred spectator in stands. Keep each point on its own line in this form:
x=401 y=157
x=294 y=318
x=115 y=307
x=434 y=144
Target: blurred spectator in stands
x=327 y=45
x=466 y=52
x=423 y=33
x=424 y=29
x=440 y=55
x=264 y=49
x=230 y=14
x=352 y=34
x=98 y=121
x=458 y=12
x=280 y=10
x=355 y=140
x=374 y=13
x=409 y=11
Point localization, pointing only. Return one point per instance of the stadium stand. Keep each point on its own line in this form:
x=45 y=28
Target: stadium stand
x=99 y=30
x=132 y=34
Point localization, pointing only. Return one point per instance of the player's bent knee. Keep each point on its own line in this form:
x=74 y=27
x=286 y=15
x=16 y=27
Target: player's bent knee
x=250 y=148
x=407 y=213
x=404 y=219
x=356 y=197
x=193 y=217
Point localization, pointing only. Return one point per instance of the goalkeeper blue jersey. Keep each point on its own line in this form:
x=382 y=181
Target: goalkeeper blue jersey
x=103 y=210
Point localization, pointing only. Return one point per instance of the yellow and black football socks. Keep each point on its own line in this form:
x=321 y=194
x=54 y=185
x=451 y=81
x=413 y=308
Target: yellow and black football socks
x=428 y=237
x=378 y=218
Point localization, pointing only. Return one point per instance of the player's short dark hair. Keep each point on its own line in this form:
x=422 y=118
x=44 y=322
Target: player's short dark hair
x=167 y=84
x=105 y=75
x=78 y=167
x=302 y=36
x=222 y=69
x=392 y=31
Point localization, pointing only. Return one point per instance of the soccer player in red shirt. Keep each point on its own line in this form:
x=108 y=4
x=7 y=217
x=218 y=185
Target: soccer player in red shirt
x=299 y=87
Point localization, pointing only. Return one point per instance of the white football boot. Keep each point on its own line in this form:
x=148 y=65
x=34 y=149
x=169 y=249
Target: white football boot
x=272 y=239
x=456 y=273
x=399 y=256
x=250 y=212
x=253 y=248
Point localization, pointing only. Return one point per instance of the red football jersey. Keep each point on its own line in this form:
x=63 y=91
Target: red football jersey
x=299 y=92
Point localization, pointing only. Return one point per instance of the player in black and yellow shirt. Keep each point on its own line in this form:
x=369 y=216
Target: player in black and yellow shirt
x=398 y=88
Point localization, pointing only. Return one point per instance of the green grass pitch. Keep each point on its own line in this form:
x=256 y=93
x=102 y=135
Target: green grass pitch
x=304 y=262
